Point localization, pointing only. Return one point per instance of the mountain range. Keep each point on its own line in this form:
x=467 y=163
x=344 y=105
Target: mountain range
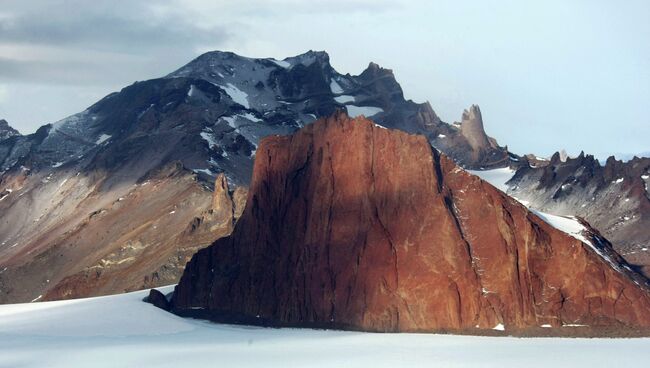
x=120 y=196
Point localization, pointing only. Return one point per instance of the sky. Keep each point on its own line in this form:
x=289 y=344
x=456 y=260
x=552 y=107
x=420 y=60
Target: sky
x=547 y=74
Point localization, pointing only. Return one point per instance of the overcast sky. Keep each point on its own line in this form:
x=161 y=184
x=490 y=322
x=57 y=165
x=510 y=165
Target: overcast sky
x=547 y=74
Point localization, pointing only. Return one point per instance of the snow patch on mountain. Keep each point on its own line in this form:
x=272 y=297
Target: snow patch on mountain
x=281 y=63
x=102 y=138
x=209 y=137
x=335 y=87
x=251 y=117
x=367 y=111
x=236 y=94
x=496 y=177
x=344 y=99
x=569 y=225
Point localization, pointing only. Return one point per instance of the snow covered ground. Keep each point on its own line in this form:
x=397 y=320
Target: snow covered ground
x=496 y=177
x=123 y=331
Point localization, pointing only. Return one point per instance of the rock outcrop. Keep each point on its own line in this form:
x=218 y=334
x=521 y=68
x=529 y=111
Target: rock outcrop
x=158 y=299
x=471 y=127
x=468 y=144
x=349 y=225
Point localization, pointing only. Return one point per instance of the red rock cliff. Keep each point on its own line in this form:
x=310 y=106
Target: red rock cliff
x=351 y=225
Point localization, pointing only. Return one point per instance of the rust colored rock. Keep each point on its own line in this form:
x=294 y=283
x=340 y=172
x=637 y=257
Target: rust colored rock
x=350 y=225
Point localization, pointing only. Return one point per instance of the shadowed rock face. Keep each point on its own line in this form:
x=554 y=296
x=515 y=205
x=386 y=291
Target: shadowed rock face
x=351 y=225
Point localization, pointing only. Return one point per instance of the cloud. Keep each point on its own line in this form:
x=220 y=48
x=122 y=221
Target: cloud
x=100 y=42
x=130 y=27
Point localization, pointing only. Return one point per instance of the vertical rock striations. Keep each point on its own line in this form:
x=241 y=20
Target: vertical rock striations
x=351 y=225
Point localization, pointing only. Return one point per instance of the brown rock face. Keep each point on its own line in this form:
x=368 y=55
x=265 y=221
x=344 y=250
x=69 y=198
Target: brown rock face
x=355 y=226
x=165 y=228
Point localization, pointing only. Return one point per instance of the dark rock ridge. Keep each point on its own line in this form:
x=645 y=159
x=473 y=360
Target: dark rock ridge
x=210 y=114
x=6 y=131
x=351 y=225
x=613 y=197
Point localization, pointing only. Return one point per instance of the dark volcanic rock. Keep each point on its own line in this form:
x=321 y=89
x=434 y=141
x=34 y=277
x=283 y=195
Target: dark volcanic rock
x=158 y=299
x=351 y=225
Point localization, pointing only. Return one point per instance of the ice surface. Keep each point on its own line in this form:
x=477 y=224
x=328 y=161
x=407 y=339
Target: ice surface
x=367 y=111
x=123 y=331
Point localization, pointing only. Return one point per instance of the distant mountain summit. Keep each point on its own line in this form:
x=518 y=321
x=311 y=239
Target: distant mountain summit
x=6 y=131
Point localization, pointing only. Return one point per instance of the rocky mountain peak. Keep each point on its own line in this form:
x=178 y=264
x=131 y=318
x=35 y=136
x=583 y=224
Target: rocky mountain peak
x=563 y=155
x=374 y=70
x=428 y=116
x=309 y=57
x=7 y=130
x=471 y=127
x=473 y=113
